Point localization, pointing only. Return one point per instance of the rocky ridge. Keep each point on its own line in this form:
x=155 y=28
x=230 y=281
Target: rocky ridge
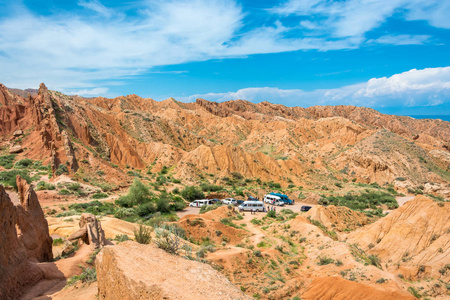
x=24 y=241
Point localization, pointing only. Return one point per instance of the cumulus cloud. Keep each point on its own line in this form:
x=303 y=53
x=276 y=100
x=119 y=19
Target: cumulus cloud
x=426 y=87
x=69 y=50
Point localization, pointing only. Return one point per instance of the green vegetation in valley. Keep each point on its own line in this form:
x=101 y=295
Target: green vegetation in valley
x=365 y=200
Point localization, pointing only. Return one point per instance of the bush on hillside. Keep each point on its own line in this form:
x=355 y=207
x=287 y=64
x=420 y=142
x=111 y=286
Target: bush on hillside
x=8 y=178
x=143 y=234
x=138 y=193
x=7 y=161
x=368 y=199
x=42 y=186
x=23 y=163
x=192 y=193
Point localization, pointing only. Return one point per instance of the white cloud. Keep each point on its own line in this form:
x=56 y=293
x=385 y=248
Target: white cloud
x=401 y=39
x=356 y=17
x=427 y=87
x=71 y=51
x=97 y=7
x=87 y=92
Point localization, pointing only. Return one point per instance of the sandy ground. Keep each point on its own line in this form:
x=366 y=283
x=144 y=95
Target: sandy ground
x=295 y=208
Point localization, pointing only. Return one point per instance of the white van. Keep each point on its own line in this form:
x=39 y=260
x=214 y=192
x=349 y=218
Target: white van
x=271 y=199
x=252 y=205
x=231 y=201
x=199 y=203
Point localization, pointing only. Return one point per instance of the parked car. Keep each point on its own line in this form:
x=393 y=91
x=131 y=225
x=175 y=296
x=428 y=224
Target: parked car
x=251 y=198
x=271 y=199
x=278 y=203
x=239 y=202
x=252 y=206
x=231 y=201
x=305 y=208
x=199 y=203
x=214 y=201
x=283 y=198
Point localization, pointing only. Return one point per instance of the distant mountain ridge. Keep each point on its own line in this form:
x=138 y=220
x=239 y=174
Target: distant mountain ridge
x=270 y=142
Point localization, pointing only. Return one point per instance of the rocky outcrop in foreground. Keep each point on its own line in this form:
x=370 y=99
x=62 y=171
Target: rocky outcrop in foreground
x=134 y=271
x=337 y=288
x=24 y=239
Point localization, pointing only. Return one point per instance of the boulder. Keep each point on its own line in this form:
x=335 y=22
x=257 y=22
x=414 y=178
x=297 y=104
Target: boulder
x=15 y=149
x=135 y=271
x=90 y=232
x=17 y=133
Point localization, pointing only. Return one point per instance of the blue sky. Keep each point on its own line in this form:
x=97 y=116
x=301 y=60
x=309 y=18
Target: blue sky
x=392 y=55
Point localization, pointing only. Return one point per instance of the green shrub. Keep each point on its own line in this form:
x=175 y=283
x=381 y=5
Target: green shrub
x=93 y=256
x=94 y=207
x=67 y=213
x=23 y=163
x=62 y=169
x=99 y=196
x=414 y=292
x=74 y=186
x=271 y=214
x=64 y=192
x=192 y=193
x=375 y=261
x=324 y=261
x=210 y=187
x=138 y=193
x=381 y=281
x=8 y=178
x=123 y=212
x=162 y=204
x=87 y=275
x=57 y=242
x=146 y=209
x=206 y=208
x=256 y=221
x=121 y=238
x=124 y=201
x=237 y=175
x=228 y=222
x=7 y=161
x=142 y=235
x=368 y=199
x=42 y=186
x=167 y=239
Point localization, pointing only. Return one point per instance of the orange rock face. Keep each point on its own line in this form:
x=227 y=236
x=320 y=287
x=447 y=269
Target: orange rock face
x=288 y=145
x=336 y=288
x=134 y=271
x=416 y=234
x=24 y=239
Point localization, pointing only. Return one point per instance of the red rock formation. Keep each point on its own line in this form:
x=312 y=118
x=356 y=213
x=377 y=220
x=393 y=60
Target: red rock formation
x=31 y=224
x=90 y=232
x=24 y=239
x=336 y=288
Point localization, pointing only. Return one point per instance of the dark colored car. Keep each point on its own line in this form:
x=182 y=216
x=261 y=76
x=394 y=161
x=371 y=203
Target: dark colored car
x=305 y=208
x=251 y=198
x=214 y=201
x=239 y=202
